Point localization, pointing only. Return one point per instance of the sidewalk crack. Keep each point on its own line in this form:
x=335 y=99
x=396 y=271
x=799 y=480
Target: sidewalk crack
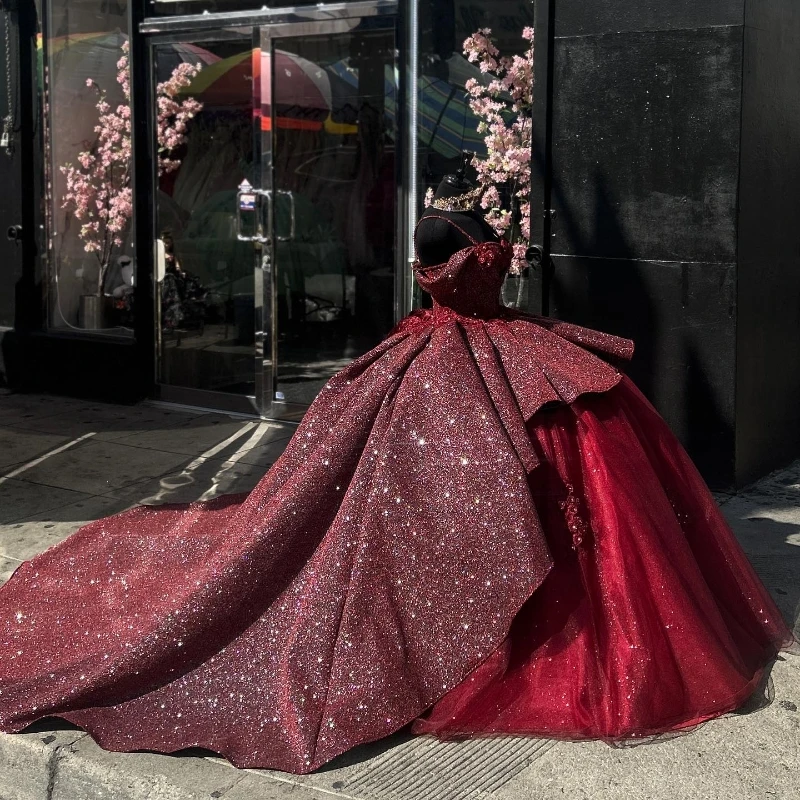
x=52 y=771
x=56 y=756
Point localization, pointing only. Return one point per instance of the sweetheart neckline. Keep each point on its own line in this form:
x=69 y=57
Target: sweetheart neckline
x=502 y=244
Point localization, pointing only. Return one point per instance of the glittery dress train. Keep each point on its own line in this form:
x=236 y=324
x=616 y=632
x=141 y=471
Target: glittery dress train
x=480 y=526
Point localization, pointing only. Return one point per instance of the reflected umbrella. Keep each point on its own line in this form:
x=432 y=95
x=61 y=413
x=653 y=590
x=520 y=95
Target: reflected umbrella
x=303 y=90
x=447 y=124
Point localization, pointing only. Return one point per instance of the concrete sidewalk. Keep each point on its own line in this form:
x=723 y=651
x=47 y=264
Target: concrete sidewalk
x=66 y=462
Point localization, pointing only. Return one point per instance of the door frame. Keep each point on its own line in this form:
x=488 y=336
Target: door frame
x=264 y=26
x=327 y=12
x=542 y=213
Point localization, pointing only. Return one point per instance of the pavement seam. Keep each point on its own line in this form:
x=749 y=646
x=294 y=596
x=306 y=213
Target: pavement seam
x=93 y=494
x=219 y=794
x=72 y=501
x=316 y=789
x=267 y=779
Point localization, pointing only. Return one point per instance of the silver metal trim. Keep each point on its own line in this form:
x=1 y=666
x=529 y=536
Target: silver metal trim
x=412 y=177
x=190 y=36
x=401 y=151
x=269 y=354
x=321 y=13
x=262 y=286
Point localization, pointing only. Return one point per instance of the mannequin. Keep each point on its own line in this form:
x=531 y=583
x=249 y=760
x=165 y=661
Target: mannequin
x=436 y=240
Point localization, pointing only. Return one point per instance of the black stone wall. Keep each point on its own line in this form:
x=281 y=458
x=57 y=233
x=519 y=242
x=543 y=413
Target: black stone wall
x=646 y=128
x=768 y=297
x=662 y=122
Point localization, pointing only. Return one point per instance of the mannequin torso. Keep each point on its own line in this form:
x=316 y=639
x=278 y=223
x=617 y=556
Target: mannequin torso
x=436 y=239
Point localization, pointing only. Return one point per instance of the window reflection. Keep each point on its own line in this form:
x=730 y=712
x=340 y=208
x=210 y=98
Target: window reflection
x=447 y=125
x=336 y=161
x=328 y=138
x=206 y=275
x=85 y=43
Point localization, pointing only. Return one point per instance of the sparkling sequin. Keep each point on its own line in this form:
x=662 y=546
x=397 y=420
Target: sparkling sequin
x=395 y=556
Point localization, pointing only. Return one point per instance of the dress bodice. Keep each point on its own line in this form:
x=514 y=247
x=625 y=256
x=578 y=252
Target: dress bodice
x=469 y=282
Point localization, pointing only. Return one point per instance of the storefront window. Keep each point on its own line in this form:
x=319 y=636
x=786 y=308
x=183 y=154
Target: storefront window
x=88 y=160
x=324 y=108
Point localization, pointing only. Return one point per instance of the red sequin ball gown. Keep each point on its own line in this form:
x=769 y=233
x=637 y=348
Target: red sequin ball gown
x=480 y=525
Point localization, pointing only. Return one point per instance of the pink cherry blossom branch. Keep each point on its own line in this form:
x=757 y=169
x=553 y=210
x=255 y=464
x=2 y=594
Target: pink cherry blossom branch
x=503 y=105
x=98 y=187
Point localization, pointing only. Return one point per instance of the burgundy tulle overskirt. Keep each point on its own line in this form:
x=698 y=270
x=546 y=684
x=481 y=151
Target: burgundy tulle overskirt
x=651 y=620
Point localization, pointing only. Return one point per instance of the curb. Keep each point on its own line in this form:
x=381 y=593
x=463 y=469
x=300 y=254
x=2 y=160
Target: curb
x=53 y=762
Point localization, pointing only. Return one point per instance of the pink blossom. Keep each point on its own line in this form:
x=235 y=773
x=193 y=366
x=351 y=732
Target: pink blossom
x=503 y=107
x=491 y=198
x=98 y=189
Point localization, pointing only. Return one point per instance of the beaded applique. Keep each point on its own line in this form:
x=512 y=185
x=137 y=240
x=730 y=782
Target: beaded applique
x=577 y=525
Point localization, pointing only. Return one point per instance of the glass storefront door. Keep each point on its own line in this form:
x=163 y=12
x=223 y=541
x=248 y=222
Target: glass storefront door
x=275 y=208
x=328 y=161
x=204 y=274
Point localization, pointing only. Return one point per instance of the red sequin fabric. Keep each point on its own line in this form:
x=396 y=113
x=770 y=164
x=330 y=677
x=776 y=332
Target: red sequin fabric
x=480 y=525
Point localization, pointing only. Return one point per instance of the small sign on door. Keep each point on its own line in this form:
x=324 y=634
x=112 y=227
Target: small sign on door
x=247 y=198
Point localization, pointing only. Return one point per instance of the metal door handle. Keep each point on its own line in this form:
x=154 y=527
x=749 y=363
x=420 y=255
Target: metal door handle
x=534 y=255
x=261 y=202
x=292 y=218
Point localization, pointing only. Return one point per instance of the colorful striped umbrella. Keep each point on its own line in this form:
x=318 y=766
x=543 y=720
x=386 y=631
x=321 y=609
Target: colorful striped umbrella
x=302 y=92
x=228 y=83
